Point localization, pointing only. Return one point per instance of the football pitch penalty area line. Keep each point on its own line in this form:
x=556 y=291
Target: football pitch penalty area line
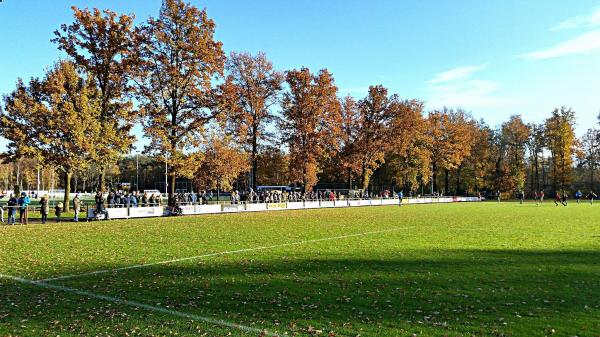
x=140 y=305
x=229 y=252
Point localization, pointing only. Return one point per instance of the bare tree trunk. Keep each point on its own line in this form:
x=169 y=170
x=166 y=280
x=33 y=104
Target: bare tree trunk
x=458 y=171
x=592 y=172
x=102 y=180
x=434 y=177
x=172 y=187
x=446 y=181
x=349 y=179
x=52 y=180
x=254 y=158
x=67 y=183
x=76 y=182
x=537 y=174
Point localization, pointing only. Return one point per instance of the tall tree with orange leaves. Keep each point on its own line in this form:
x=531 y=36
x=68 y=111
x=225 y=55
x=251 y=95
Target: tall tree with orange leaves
x=450 y=134
x=251 y=88
x=350 y=121
x=174 y=85
x=373 y=132
x=54 y=120
x=104 y=45
x=408 y=156
x=563 y=145
x=311 y=123
x=515 y=134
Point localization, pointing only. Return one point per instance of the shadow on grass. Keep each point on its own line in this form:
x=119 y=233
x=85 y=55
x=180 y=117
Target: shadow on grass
x=435 y=292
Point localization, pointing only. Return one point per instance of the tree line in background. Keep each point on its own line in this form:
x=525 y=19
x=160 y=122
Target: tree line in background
x=224 y=121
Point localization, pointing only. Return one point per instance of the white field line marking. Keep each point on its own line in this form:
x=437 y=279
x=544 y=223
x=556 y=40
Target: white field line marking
x=238 y=251
x=136 y=304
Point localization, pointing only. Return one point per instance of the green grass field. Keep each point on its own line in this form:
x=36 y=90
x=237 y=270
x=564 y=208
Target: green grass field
x=482 y=269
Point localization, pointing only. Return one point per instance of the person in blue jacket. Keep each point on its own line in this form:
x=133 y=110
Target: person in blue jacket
x=400 y=196
x=24 y=208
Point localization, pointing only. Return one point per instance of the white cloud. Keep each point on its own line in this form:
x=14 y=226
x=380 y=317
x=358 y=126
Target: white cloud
x=455 y=74
x=583 y=43
x=456 y=87
x=469 y=94
x=586 y=21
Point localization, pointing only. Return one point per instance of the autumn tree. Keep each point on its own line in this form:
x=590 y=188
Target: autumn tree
x=409 y=156
x=479 y=163
x=250 y=90
x=54 y=119
x=103 y=44
x=273 y=166
x=561 y=141
x=350 y=122
x=536 y=144
x=450 y=134
x=375 y=113
x=515 y=134
x=311 y=123
x=180 y=59
x=222 y=164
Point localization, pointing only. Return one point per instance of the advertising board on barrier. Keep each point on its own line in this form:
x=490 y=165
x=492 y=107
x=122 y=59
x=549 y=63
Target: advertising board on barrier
x=340 y=203
x=327 y=204
x=188 y=209
x=233 y=208
x=353 y=202
x=142 y=212
x=390 y=201
x=295 y=205
x=206 y=209
x=117 y=213
x=277 y=205
x=365 y=202
x=311 y=204
x=256 y=207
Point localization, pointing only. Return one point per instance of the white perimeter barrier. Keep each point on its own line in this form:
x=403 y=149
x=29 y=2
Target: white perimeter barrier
x=145 y=212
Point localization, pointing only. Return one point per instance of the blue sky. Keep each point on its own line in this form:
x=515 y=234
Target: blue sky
x=493 y=58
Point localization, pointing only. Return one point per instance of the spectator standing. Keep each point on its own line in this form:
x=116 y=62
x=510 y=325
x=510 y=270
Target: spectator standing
x=58 y=211
x=24 y=208
x=12 y=209
x=133 y=200
x=76 y=207
x=99 y=202
x=45 y=208
x=400 y=196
